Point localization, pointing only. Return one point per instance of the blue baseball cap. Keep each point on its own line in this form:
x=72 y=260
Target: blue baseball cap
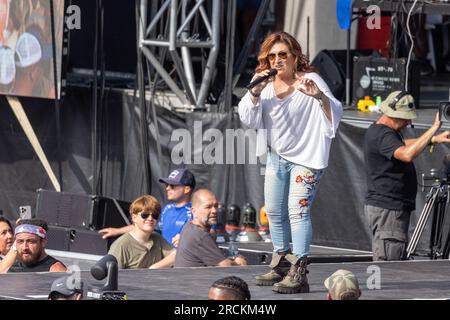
x=180 y=177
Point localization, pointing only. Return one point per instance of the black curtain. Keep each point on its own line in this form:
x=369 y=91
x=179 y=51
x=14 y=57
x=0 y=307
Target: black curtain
x=337 y=213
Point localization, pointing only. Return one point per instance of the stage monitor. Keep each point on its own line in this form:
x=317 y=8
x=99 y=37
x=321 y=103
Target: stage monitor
x=26 y=47
x=380 y=76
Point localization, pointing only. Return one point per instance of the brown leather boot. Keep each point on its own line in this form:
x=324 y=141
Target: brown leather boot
x=279 y=269
x=296 y=280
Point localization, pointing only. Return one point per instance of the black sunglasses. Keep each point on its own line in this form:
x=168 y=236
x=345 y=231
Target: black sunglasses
x=145 y=215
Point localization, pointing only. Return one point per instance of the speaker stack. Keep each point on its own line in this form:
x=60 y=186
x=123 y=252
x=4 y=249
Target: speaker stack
x=74 y=220
x=332 y=65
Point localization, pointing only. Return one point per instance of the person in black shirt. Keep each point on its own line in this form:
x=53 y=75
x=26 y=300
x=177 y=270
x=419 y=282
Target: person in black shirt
x=66 y=288
x=391 y=175
x=31 y=239
x=197 y=248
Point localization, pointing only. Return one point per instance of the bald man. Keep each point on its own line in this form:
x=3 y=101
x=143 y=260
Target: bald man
x=196 y=247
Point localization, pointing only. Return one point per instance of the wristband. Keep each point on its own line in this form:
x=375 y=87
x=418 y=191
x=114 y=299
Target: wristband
x=256 y=95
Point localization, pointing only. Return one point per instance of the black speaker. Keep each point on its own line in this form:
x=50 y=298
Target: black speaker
x=64 y=208
x=88 y=241
x=58 y=238
x=380 y=76
x=77 y=240
x=109 y=212
x=81 y=211
x=332 y=64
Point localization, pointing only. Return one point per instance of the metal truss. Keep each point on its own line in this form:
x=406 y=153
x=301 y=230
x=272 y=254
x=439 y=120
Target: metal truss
x=180 y=17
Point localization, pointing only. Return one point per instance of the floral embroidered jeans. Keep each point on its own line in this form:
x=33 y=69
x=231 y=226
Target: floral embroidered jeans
x=289 y=190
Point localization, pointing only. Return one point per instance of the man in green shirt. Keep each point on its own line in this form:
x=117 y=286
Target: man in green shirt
x=142 y=247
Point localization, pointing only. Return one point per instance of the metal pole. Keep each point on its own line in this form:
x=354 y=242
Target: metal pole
x=173 y=50
x=347 y=68
x=185 y=53
x=210 y=65
x=163 y=73
x=156 y=17
x=142 y=105
x=56 y=100
x=231 y=21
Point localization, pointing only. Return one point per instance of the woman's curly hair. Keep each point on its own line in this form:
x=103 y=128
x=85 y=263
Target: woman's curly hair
x=301 y=60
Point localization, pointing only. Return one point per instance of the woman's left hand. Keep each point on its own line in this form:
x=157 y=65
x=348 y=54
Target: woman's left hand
x=307 y=86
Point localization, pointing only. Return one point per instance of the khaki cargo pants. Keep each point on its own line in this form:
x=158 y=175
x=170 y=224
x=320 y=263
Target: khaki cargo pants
x=389 y=232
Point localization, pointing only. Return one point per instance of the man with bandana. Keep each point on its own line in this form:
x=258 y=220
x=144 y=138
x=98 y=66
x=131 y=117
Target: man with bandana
x=31 y=240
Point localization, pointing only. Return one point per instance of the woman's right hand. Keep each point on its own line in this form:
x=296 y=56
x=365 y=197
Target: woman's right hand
x=259 y=87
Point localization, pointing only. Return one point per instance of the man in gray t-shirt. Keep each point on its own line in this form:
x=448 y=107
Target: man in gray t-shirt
x=196 y=247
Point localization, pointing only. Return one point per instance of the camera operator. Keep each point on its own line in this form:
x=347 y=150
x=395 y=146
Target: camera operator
x=391 y=175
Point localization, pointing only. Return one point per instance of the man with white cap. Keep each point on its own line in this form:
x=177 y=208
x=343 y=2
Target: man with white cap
x=342 y=285
x=391 y=175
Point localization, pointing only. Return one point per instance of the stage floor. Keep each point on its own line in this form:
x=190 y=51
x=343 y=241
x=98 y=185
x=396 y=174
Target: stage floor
x=397 y=280
x=258 y=253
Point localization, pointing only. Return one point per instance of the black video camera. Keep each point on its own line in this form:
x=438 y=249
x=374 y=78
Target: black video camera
x=444 y=111
x=107 y=268
x=439 y=176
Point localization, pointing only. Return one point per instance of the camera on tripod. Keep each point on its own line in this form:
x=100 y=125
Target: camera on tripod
x=435 y=206
x=439 y=176
x=444 y=111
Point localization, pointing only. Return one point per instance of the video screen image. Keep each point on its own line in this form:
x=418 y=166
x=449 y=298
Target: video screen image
x=26 y=52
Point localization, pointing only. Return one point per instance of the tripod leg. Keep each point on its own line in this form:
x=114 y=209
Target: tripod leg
x=436 y=229
x=446 y=248
x=412 y=245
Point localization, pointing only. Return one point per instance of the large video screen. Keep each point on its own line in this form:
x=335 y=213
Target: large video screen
x=26 y=51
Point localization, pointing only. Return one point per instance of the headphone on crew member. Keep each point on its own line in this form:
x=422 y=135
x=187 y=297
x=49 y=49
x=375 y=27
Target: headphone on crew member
x=397 y=98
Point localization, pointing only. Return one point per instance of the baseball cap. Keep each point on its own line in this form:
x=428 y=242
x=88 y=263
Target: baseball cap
x=399 y=105
x=180 y=177
x=28 y=50
x=67 y=285
x=342 y=285
x=7 y=66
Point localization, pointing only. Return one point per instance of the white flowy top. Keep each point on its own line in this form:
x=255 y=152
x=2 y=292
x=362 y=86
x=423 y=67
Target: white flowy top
x=295 y=127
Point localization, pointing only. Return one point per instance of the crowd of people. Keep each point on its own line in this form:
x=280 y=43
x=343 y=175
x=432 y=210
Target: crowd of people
x=23 y=250
x=300 y=116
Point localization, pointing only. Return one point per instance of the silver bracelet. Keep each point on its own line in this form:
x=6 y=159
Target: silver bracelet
x=320 y=99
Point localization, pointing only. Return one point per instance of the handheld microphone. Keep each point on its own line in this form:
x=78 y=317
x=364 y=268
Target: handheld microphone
x=257 y=81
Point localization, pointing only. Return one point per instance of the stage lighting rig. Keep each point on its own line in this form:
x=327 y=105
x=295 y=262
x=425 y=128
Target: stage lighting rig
x=249 y=231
